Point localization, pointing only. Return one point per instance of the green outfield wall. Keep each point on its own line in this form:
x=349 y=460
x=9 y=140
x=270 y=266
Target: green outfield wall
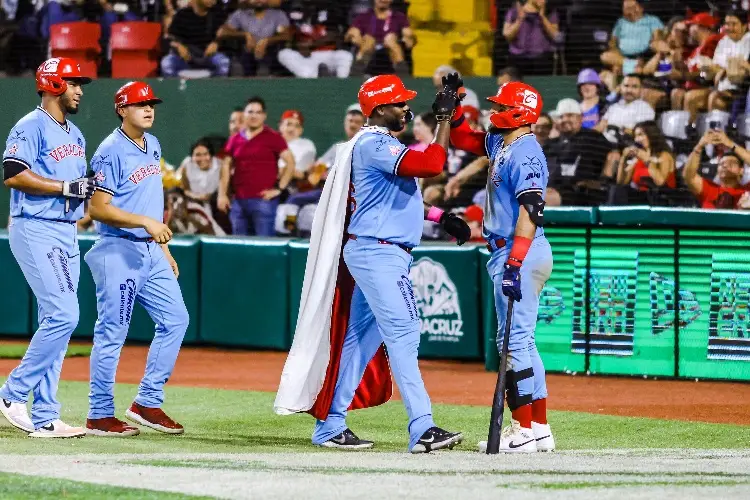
x=634 y=291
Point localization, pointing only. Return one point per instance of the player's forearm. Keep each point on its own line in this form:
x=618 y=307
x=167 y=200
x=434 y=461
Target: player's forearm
x=524 y=226
x=30 y=183
x=463 y=137
x=116 y=217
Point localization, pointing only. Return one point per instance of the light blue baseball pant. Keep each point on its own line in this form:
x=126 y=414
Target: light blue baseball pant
x=523 y=356
x=48 y=254
x=383 y=310
x=124 y=272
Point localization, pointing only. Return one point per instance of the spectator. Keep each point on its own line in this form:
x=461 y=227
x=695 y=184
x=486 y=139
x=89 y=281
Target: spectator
x=646 y=165
x=264 y=31
x=184 y=216
x=236 y=119
x=471 y=98
x=542 y=128
x=254 y=154
x=20 y=41
x=291 y=128
x=353 y=122
x=60 y=11
x=581 y=161
x=193 y=41
x=531 y=31
x=473 y=215
x=661 y=69
x=629 y=110
x=703 y=37
x=195 y=204
x=463 y=187
x=727 y=192
x=630 y=39
x=200 y=173
x=318 y=29
x=424 y=131
x=381 y=33
x=508 y=74
x=593 y=104
x=726 y=69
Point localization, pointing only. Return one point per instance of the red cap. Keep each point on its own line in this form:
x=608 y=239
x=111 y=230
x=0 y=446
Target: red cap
x=293 y=113
x=380 y=90
x=52 y=73
x=474 y=213
x=471 y=113
x=135 y=93
x=703 y=19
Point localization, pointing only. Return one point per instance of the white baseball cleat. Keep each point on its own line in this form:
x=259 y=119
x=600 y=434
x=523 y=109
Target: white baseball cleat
x=517 y=439
x=544 y=439
x=58 y=429
x=17 y=415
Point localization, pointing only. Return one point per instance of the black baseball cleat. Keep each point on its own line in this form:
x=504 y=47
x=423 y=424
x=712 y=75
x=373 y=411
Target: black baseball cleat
x=347 y=440
x=436 y=438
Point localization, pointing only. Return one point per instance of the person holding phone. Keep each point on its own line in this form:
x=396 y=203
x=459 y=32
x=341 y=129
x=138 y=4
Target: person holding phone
x=647 y=164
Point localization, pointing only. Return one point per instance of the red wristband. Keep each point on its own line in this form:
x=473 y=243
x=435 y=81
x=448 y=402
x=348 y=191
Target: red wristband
x=519 y=250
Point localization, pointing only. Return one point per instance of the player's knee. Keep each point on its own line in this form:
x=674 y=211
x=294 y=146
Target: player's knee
x=180 y=320
x=65 y=318
x=518 y=387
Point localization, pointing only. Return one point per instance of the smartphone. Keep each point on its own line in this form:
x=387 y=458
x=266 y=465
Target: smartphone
x=714 y=125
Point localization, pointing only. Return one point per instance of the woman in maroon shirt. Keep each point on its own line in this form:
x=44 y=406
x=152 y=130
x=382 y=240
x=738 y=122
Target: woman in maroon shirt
x=252 y=165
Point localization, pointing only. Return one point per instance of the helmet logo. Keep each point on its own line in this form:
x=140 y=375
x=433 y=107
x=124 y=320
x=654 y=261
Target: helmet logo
x=389 y=88
x=50 y=65
x=529 y=99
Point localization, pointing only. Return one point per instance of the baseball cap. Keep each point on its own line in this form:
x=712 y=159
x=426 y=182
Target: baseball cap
x=474 y=213
x=703 y=19
x=566 y=106
x=472 y=113
x=293 y=113
x=354 y=107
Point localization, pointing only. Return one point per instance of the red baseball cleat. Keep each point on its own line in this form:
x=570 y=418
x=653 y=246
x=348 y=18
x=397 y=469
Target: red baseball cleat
x=110 y=427
x=154 y=418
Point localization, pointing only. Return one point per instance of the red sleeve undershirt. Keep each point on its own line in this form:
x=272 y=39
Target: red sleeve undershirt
x=422 y=164
x=463 y=137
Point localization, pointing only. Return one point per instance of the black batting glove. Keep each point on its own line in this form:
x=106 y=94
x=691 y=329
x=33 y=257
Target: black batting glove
x=456 y=227
x=453 y=83
x=444 y=105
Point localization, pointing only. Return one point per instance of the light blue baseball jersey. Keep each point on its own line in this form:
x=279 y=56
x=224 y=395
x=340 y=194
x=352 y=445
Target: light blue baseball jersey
x=385 y=206
x=132 y=175
x=515 y=169
x=50 y=149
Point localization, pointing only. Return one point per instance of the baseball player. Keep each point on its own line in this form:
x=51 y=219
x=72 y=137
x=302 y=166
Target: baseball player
x=387 y=215
x=131 y=262
x=521 y=260
x=44 y=165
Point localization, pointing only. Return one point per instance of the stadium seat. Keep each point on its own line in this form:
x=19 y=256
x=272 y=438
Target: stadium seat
x=674 y=124
x=305 y=220
x=79 y=40
x=136 y=49
x=704 y=120
x=286 y=216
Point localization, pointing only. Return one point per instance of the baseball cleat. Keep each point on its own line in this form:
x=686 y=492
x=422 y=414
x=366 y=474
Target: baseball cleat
x=17 y=415
x=517 y=439
x=154 y=418
x=436 y=438
x=110 y=427
x=58 y=429
x=544 y=439
x=347 y=440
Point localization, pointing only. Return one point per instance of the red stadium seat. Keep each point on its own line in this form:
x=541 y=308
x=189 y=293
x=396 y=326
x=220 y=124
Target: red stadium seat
x=136 y=49
x=79 y=40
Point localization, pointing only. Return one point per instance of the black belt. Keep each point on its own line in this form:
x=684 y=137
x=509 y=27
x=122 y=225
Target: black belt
x=499 y=243
x=134 y=238
x=383 y=242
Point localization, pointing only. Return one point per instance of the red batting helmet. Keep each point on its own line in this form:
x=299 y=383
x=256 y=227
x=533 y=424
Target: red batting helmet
x=135 y=93
x=380 y=90
x=52 y=74
x=523 y=103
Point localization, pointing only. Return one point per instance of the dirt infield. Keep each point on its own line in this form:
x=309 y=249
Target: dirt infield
x=455 y=383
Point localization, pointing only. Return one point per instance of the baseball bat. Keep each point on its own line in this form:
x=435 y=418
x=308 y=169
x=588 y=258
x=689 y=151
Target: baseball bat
x=498 y=401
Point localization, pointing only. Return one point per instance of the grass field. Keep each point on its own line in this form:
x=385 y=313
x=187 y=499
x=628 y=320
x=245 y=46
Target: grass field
x=235 y=447
x=16 y=351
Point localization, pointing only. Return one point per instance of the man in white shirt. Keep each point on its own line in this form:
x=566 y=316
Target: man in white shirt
x=291 y=128
x=730 y=61
x=629 y=110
